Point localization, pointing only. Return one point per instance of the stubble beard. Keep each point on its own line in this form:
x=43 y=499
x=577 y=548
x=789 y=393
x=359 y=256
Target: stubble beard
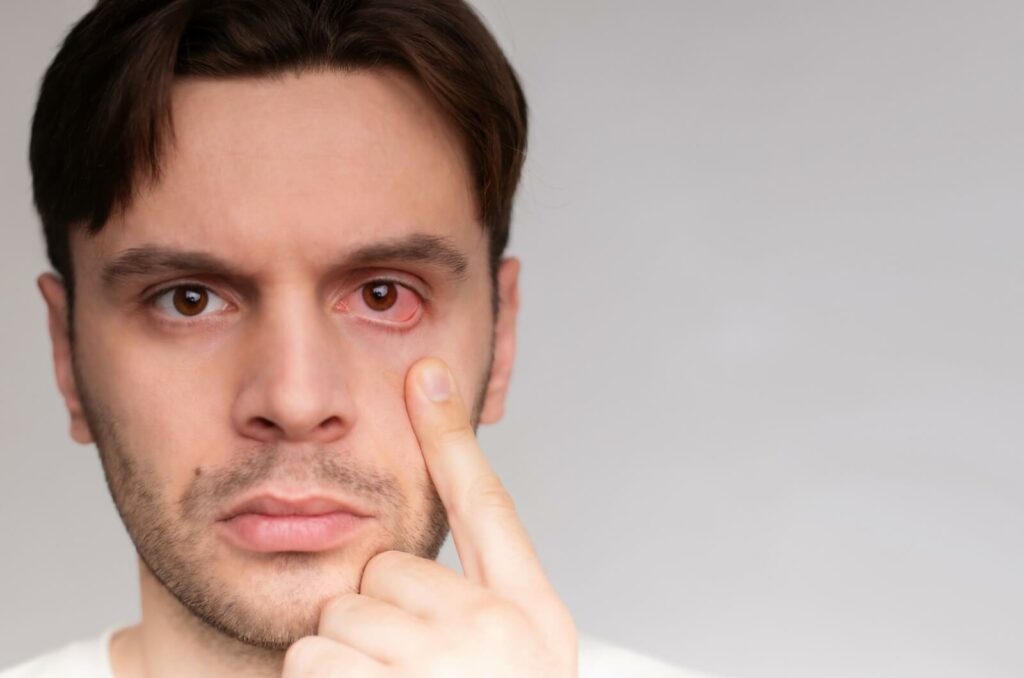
x=173 y=542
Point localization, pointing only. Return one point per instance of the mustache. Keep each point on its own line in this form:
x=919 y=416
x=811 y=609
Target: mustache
x=331 y=472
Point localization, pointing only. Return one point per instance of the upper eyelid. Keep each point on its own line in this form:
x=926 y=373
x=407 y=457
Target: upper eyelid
x=422 y=291
x=152 y=297
x=159 y=292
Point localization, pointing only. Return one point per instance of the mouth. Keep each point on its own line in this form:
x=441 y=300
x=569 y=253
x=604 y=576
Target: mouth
x=272 y=504
x=268 y=523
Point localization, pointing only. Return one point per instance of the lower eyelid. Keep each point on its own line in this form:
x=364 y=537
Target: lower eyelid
x=395 y=327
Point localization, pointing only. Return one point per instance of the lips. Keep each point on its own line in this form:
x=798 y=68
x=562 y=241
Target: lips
x=280 y=505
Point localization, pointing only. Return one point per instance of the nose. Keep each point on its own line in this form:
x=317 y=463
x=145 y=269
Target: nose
x=293 y=384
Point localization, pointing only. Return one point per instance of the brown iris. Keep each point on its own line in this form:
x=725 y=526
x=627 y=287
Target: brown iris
x=380 y=297
x=190 y=300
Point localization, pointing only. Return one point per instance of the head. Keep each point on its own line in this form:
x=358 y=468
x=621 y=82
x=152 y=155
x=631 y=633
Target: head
x=259 y=215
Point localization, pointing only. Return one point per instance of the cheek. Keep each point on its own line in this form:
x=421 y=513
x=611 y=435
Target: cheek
x=161 y=401
x=381 y=361
x=375 y=380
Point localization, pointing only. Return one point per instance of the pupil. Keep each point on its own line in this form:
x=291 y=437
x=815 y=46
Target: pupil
x=190 y=300
x=380 y=297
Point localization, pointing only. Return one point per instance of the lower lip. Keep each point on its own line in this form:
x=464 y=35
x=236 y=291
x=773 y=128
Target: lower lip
x=266 y=533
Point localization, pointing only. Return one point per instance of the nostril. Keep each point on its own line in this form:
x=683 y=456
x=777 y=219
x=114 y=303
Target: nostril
x=326 y=430
x=330 y=424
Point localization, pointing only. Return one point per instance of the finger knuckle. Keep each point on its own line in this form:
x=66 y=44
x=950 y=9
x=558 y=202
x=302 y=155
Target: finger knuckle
x=303 y=658
x=381 y=566
x=340 y=605
x=497 y=623
x=456 y=436
x=387 y=560
x=557 y=616
x=489 y=493
x=556 y=624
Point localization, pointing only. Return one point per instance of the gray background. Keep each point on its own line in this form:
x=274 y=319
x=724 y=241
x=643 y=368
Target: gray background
x=767 y=414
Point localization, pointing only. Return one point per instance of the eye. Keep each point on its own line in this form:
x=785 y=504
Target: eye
x=384 y=301
x=188 y=301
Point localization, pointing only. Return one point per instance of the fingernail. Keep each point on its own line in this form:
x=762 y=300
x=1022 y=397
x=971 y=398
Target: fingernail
x=436 y=382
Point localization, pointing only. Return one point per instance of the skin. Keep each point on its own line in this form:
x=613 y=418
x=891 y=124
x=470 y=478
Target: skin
x=198 y=389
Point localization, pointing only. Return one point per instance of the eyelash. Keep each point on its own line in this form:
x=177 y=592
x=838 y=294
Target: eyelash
x=389 y=328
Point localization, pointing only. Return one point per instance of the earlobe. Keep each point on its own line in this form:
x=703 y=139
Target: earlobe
x=55 y=296
x=504 y=341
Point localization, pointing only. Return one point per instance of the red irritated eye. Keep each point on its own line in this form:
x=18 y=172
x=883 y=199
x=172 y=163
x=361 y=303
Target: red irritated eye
x=383 y=301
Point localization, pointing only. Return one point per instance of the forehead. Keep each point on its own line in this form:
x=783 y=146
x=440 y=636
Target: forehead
x=300 y=165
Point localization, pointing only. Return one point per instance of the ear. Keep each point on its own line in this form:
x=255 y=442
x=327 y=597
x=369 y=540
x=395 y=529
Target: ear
x=504 y=341
x=55 y=296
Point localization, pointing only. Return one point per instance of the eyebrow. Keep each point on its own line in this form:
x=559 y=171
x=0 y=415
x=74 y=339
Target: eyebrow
x=151 y=260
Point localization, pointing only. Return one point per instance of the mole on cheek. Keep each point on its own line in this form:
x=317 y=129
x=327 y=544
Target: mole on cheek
x=199 y=471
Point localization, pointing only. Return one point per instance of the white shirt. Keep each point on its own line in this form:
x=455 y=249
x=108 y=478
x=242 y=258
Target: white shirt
x=91 y=659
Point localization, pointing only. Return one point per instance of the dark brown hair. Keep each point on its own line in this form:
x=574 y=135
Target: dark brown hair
x=103 y=113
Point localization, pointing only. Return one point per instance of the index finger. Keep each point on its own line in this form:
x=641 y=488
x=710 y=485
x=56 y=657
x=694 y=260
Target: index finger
x=492 y=543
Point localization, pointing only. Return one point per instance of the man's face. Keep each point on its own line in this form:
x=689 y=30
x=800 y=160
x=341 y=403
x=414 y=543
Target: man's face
x=285 y=371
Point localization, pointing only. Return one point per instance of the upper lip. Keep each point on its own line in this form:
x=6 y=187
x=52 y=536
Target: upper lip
x=283 y=505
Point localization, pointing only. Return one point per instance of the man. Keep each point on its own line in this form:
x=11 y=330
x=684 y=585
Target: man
x=280 y=311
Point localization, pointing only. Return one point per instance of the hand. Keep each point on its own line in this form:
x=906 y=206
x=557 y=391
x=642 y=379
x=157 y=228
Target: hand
x=415 y=617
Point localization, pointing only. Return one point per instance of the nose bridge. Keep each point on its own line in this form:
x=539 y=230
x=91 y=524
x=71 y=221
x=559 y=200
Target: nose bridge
x=292 y=387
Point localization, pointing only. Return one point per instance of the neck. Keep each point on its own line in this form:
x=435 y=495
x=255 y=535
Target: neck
x=170 y=641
